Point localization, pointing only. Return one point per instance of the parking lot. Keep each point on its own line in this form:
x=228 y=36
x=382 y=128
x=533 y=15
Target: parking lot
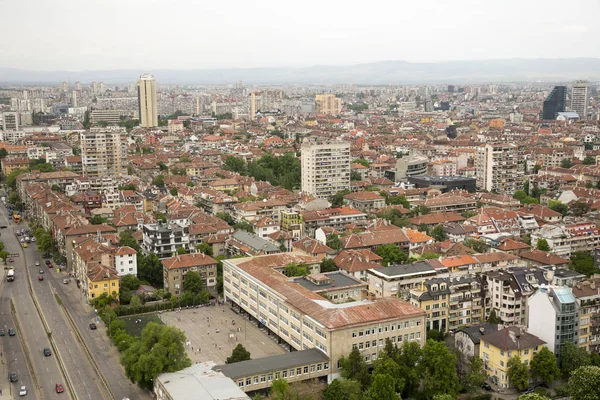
x=206 y=344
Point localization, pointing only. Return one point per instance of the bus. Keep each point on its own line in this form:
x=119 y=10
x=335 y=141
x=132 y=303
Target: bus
x=16 y=218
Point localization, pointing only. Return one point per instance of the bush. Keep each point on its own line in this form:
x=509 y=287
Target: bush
x=561 y=391
x=542 y=391
x=485 y=396
x=165 y=305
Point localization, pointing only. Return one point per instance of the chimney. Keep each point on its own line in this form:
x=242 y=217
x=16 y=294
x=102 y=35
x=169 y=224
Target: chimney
x=482 y=330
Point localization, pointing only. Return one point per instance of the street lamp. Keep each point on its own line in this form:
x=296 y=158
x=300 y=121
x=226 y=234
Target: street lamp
x=9 y=382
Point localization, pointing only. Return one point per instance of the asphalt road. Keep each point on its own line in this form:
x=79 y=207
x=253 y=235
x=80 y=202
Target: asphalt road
x=45 y=368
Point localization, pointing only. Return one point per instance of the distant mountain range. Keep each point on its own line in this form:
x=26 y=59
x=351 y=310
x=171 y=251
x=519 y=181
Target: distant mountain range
x=377 y=73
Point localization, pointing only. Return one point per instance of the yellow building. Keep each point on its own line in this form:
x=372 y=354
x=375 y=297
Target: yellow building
x=496 y=123
x=291 y=222
x=12 y=164
x=328 y=104
x=496 y=348
x=102 y=279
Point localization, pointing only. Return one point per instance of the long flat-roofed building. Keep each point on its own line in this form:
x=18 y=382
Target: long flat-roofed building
x=304 y=319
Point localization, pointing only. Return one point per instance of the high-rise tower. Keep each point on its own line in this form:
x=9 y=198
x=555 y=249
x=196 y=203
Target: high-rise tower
x=580 y=98
x=147 y=101
x=555 y=103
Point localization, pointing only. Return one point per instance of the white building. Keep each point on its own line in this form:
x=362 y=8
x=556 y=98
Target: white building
x=564 y=240
x=147 y=101
x=580 y=98
x=10 y=121
x=104 y=151
x=500 y=167
x=325 y=168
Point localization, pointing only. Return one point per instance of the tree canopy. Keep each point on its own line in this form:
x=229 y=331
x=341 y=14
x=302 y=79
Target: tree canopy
x=544 y=366
x=583 y=383
x=282 y=171
x=355 y=367
x=238 y=354
x=438 y=369
x=518 y=373
x=542 y=244
x=571 y=358
x=294 y=269
x=391 y=254
x=438 y=233
x=583 y=262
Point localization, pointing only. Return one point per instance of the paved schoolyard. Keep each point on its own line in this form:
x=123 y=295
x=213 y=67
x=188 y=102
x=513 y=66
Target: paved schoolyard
x=205 y=344
x=135 y=329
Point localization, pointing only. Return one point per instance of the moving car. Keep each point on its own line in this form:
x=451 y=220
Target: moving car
x=40 y=278
x=13 y=377
x=93 y=326
x=12 y=332
x=37 y=263
x=33 y=239
x=11 y=259
x=41 y=271
x=3 y=227
x=65 y=281
x=2 y=332
x=25 y=245
x=18 y=233
x=528 y=390
x=59 y=388
x=47 y=352
x=23 y=391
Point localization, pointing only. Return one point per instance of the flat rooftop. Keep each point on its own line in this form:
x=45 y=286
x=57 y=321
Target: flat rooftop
x=273 y=363
x=335 y=280
x=441 y=178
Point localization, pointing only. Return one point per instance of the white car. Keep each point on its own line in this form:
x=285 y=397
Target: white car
x=23 y=391
x=37 y=263
x=33 y=239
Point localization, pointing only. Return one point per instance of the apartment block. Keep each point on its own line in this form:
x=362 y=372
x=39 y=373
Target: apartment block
x=500 y=167
x=328 y=104
x=147 y=101
x=175 y=269
x=587 y=294
x=325 y=168
x=163 y=239
x=580 y=98
x=564 y=240
x=112 y=117
x=104 y=151
x=303 y=319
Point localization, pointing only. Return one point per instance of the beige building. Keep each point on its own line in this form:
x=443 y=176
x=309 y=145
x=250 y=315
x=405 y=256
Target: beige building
x=147 y=101
x=325 y=168
x=175 y=269
x=304 y=319
x=113 y=117
x=328 y=104
x=104 y=151
x=500 y=167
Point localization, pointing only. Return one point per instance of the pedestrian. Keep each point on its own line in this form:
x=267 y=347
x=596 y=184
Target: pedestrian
x=207 y=332
x=192 y=348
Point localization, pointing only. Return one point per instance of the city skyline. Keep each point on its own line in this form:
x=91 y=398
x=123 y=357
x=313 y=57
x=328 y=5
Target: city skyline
x=318 y=33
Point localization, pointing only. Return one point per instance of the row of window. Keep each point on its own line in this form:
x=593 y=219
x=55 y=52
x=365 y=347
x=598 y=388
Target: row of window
x=380 y=343
x=386 y=328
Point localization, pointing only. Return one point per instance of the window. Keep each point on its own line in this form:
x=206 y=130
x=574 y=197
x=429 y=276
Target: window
x=256 y=380
x=299 y=370
x=306 y=370
x=248 y=381
x=241 y=383
x=291 y=372
x=501 y=363
x=284 y=374
x=319 y=367
x=270 y=377
x=312 y=368
x=105 y=285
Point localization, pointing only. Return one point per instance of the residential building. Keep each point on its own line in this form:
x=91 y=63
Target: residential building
x=104 y=152
x=314 y=248
x=163 y=239
x=357 y=262
x=398 y=280
x=10 y=121
x=12 y=164
x=102 y=279
x=291 y=222
x=566 y=239
x=325 y=168
x=410 y=166
x=303 y=319
x=496 y=348
x=555 y=102
x=175 y=269
x=500 y=167
x=467 y=339
x=553 y=315
x=336 y=218
x=580 y=98
x=365 y=201
x=445 y=183
x=112 y=117
x=147 y=101
x=248 y=244
x=587 y=294
x=328 y=104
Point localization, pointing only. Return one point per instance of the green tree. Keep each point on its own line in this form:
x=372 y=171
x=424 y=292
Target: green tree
x=343 y=389
x=235 y=164
x=355 y=176
x=391 y=254
x=11 y=179
x=238 y=354
x=44 y=243
x=337 y=200
x=420 y=210
x=354 y=367
x=3 y=153
x=583 y=262
x=193 y=282
x=174 y=191
x=589 y=160
x=571 y=358
x=334 y=242
x=396 y=200
x=328 y=265
x=544 y=366
x=362 y=161
x=438 y=233
x=244 y=226
x=205 y=248
x=294 y=269
x=480 y=246
x=383 y=388
x=429 y=255
x=126 y=239
x=476 y=375
x=135 y=303
x=518 y=373
x=493 y=318
x=4 y=255
x=438 y=368
x=181 y=251
x=566 y=163
x=583 y=383
x=579 y=208
x=160 y=349
x=533 y=396
x=558 y=207
x=279 y=389
x=542 y=244
x=159 y=181
x=98 y=220
x=150 y=269
x=225 y=217
x=385 y=365
x=408 y=360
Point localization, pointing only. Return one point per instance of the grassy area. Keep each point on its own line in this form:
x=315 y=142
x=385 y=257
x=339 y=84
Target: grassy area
x=136 y=329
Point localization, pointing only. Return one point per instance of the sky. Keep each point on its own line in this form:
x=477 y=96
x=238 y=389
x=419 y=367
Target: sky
x=77 y=35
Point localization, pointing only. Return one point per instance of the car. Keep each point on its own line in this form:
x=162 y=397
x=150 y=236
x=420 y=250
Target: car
x=25 y=245
x=2 y=332
x=18 y=233
x=66 y=281
x=28 y=240
x=37 y=263
x=40 y=278
x=33 y=239
x=3 y=226
x=22 y=240
x=13 y=377
x=23 y=391
x=59 y=388
x=41 y=271
x=49 y=265
x=47 y=352
x=527 y=390
x=48 y=262
x=11 y=259
x=12 y=332
x=93 y=326
x=486 y=386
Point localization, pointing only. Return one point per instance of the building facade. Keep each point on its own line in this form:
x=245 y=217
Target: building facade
x=104 y=152
x=500 y=167
x=555 y=102
x=175 y=269
x=325 y=168
x=328 y=104
x=147 y=101
x=580 y=98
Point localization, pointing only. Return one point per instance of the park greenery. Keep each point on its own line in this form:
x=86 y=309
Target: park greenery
x=279 y=171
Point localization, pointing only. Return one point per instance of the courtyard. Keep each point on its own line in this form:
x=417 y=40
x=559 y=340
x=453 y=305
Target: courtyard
x=212 y=336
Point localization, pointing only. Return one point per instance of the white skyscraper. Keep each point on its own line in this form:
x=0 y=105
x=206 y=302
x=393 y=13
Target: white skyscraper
x=147 y=101
x=580 y=98
x=325 y=168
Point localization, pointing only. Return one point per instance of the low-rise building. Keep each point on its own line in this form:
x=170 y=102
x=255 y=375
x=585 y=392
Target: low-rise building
x=564 y=240
x=587 y=294
x=163 y=239
x=175 y=269
x=102 y=279
x=365 y=201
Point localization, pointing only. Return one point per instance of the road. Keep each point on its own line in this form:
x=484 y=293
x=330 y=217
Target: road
x=81 y=372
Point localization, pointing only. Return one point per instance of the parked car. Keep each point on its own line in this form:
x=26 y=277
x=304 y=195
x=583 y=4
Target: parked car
x=40 y=278
x=12 y=332
x=18 y=233
x=2 y=332
x=486 y=386
x=25 y=245
x=93 y=326
x=23 y=391
x=3 y=226
x=11 y=259
x=37 y=263
x=33 y=239
x=66 y=281
x=13 y=377
x=59 y=388
x=48 y=262
x=528 y=390
x=47 y=352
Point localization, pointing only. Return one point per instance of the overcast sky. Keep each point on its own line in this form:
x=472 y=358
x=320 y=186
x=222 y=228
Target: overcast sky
x=190 y=34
